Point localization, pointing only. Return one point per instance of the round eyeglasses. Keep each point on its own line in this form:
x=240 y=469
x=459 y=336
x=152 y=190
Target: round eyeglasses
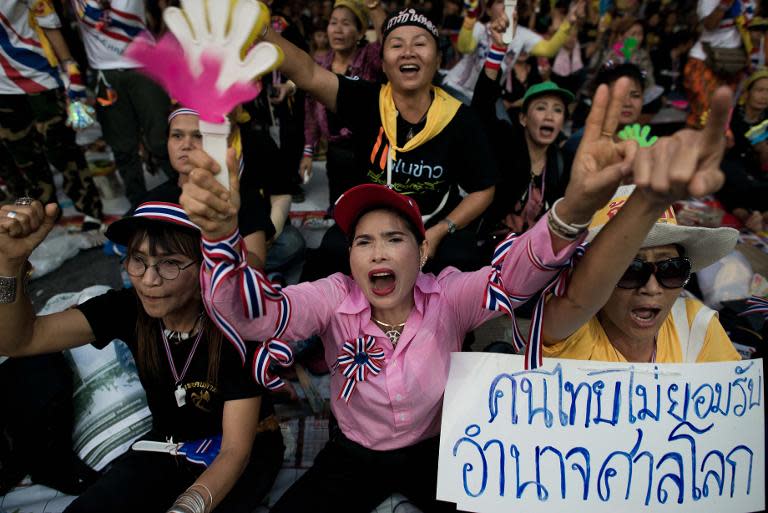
x=168 y=269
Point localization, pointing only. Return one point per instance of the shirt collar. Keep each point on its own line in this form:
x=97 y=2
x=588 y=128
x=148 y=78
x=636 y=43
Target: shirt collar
x=356 y=302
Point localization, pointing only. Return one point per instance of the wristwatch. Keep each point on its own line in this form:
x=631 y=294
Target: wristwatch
x=451 y=225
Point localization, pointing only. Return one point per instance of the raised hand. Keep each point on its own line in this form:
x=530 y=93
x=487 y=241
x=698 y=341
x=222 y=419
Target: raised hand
x=208 y=203
x=22 y=229
x=601 y=163
x=686 y=163
x=577 y=11
x=205 y=27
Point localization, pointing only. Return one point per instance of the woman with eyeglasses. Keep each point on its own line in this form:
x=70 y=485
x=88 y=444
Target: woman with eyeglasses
x=623 y=301
x=196 y=387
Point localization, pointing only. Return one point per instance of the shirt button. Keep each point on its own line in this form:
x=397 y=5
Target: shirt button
x=402 y=416
x=399 y=397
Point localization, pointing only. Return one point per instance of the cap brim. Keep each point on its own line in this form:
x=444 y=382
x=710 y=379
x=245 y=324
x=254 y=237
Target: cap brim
x=366 y=197
x=703 y=246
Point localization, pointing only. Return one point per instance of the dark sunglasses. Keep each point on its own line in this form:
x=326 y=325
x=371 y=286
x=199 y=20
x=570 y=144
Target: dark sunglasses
x=671 y=273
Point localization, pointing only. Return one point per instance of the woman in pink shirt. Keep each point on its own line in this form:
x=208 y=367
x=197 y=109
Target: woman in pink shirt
x=388 y=329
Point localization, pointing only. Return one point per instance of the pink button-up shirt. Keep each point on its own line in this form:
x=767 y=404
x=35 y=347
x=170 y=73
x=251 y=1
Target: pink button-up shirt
x=402 y=404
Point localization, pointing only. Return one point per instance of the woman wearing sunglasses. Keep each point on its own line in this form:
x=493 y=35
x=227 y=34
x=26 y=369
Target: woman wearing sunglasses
x=617 y=312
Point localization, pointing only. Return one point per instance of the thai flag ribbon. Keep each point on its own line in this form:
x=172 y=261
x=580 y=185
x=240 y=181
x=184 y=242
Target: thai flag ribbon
x=225 y=257
x=497 y=298
x=357 y=359
x=756 y=305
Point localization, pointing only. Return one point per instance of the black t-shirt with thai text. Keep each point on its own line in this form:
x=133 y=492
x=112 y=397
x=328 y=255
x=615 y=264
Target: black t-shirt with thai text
x=459 y=156
x=114 y=316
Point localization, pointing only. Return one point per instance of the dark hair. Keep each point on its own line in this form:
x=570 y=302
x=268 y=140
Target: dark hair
x=408 y=223
x=183 y=241
x=610 y=73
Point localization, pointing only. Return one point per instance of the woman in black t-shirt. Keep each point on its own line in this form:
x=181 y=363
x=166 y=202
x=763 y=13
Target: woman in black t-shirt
x=409 y=134
x=195 y=384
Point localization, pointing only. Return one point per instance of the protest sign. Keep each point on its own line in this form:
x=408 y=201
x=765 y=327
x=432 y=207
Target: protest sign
x=576 y=436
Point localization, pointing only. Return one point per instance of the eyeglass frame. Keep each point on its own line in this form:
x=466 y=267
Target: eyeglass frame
x=655 y=269
x=155 y=265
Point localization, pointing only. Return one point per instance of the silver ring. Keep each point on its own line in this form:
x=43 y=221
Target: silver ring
x=11 y=214
x=24 y=200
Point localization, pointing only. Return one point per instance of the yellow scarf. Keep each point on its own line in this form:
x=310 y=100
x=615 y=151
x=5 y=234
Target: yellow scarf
x=440 y=113
x=43 y=8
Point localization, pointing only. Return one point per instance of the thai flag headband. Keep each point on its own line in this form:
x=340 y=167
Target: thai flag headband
x=166 y=212
x=181 y=111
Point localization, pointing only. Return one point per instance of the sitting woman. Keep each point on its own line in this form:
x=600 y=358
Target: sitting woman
x=623 y=302
x=531 y=166
x=195 y=385
x=388 y=329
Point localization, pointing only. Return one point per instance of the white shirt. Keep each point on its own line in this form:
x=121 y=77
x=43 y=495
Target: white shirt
x=107 y=33
x=24 y=68
x=464 y=75
x=726 y=35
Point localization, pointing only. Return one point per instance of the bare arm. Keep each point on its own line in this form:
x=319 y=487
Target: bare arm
x=299 y=66
x=378 y=15
x=239 y=424
x=256 y=244
x=23 y=333
x=470 y=207
x=597 y=273
x=684 y=164
x=713 y=19
x=281 y=206
x=58 y=44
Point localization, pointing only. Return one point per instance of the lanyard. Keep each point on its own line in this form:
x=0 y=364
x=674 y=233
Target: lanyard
x=176 y=377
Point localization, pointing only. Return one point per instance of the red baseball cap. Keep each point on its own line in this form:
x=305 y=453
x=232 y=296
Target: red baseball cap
x=370 y=196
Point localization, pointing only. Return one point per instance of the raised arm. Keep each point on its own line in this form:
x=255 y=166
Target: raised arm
x=299 y=66
x=682 y=165
x=255 y=311
x=550 y=47
x=22 y=229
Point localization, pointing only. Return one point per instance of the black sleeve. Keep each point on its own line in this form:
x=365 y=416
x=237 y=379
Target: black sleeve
x=476 y=164
x=357 y=103
x=254 y=214
x=487 y=92
x=112 y=315
x=235 y=381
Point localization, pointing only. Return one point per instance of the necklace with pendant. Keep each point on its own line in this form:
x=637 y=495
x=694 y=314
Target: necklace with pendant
x=392 y=331
x=179 y=393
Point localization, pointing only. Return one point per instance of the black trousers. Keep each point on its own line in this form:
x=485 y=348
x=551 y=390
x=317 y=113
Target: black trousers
x=138 y=116
x=348 y=478
x=150 y=482
x=34 y=136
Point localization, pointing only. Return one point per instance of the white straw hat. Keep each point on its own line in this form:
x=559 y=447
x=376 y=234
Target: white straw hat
x=703 y=246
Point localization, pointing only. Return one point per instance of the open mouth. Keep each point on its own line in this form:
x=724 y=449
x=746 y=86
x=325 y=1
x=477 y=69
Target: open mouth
x=546 y=131
x=383 y=281
x=645 y=317
x=409 y=69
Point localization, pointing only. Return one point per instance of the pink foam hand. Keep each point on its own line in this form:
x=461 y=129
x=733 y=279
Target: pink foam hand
x=165 y=63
